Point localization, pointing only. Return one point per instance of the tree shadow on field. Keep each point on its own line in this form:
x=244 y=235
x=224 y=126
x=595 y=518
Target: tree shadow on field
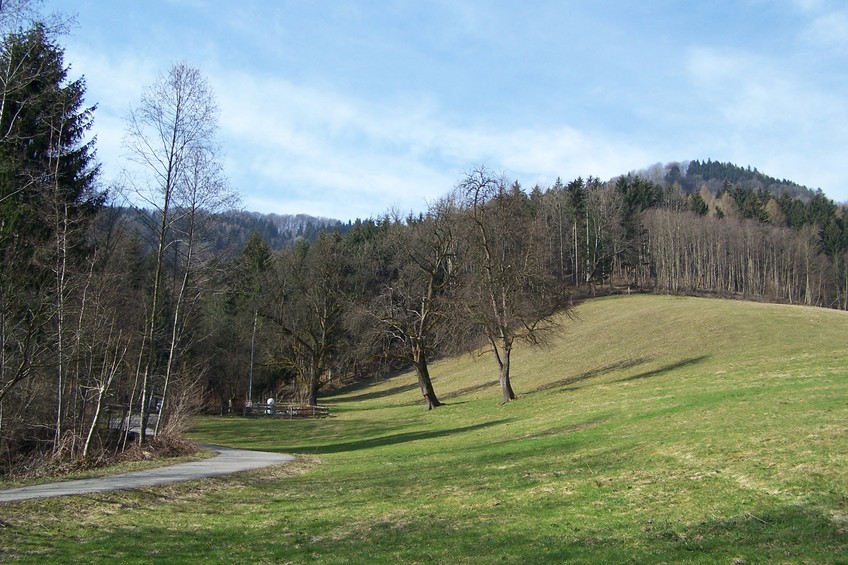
x=796 y=533
x=567 y=430
x=564 y=382
x=665 y=369
x=470 y=389
x=392 y=439
x=374 y=394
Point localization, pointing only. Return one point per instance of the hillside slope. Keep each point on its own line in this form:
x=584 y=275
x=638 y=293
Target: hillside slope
x=685 y=342
x=655 y=429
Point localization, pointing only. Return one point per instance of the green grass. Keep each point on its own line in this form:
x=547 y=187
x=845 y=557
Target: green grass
x=655 y=429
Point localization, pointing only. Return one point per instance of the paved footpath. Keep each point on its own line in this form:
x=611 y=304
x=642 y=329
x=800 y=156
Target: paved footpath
x=227 y=461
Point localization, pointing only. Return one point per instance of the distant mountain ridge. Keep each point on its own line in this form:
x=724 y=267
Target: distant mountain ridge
x=232 y=229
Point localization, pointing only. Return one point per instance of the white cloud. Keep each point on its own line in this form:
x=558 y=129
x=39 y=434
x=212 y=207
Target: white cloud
x=297 y=140
x=756 y=92
x=829 y=31
x=114 y=82
x=771 y=114
x=809 y=5
x=823 y=24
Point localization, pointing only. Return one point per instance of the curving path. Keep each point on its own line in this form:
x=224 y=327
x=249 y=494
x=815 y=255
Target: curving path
x=227 y=461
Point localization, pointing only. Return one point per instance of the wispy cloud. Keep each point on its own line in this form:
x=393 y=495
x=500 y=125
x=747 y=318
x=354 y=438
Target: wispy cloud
x=113 y=83
x=299 y=139
x=830 y=30
x=753 y=91
x=347 y=111
x=769 y=112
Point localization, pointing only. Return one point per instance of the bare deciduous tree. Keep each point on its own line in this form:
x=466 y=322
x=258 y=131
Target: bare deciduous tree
x=174 y=125
x=309 y=297
x=508 y=291
x=412 y=307
x=203 y=191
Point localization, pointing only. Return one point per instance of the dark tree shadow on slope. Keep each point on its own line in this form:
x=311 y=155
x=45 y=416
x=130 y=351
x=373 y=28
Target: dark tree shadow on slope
x=390 y=439
x=665 y=369
x=470 y=389
x=621 y=366
x=399 y=389
x=570 y=380
x=409 y=387
x=780 y=533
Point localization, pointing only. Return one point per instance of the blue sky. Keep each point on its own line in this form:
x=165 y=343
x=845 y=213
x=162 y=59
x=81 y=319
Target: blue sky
x=346 y=109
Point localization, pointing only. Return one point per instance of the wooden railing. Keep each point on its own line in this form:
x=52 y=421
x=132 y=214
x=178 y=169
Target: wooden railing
x=287 y=410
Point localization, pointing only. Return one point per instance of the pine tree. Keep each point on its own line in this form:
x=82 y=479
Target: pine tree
x=43 y=125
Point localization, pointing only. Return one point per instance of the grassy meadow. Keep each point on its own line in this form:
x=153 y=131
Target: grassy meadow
x=654 y=429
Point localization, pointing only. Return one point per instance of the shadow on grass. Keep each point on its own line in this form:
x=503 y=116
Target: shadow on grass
x=413 y=385
x=665 y=369
x=372 y=395
x=786 y=534
x=791 y=533
x=276 y=434
x=470 y=389
x=542 y=445
x=569 y=429
x=392 y=439
x=564 y=382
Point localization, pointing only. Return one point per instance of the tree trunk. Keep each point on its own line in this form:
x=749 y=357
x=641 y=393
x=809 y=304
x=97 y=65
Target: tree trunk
x=96 y=418
x=314 y=374
x=424 y=381
x=503 y=361
x=60 y=272
x=126 y=422
x=252 y=354
x=150 y=337
x=175 y=327
x=176 y=117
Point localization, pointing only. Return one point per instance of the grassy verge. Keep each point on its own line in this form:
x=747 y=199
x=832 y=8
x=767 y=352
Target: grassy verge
x=654 y=430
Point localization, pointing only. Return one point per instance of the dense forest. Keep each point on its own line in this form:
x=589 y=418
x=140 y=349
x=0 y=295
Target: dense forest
x=112 y=315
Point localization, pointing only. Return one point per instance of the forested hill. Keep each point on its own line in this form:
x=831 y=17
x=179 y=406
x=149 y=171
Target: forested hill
x=707 y=188
x=691 y=176
x=232 y=229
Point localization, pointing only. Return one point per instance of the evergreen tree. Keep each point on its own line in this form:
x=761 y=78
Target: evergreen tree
x=697 y=204
x=47 y=199
x=43 y=124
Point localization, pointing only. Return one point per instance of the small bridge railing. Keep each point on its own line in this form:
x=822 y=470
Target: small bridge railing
x=287 y=410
